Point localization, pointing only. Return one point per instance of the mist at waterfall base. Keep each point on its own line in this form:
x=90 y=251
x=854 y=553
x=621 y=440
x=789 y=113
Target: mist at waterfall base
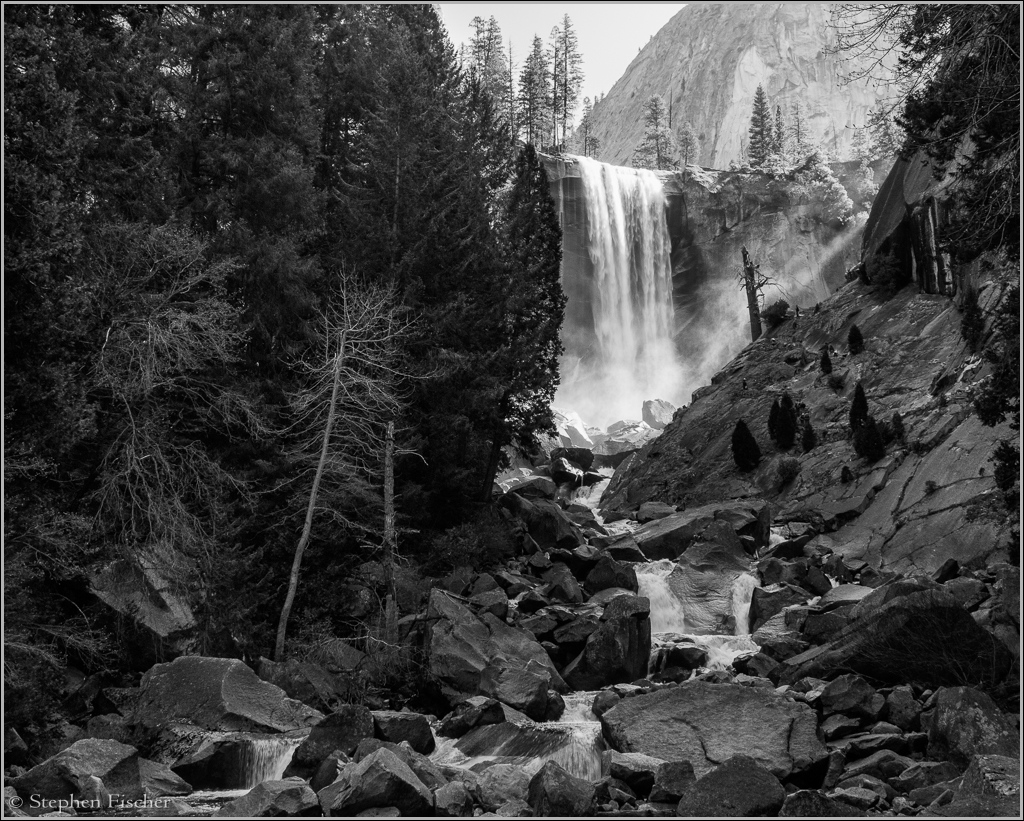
x=629 y=353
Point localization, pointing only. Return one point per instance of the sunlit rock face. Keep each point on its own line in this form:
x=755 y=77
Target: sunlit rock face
x=708 y=61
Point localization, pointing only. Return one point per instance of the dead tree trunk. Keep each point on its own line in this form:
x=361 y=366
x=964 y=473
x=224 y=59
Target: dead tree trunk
x=750 y=285
x=390 y=538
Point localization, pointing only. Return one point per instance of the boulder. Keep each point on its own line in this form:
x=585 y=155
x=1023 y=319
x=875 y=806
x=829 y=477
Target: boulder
x=604 y=701
x=619 y=650
x=990 y=788
x=815 y=804
x=739 y=787
x=494 y=602
x=853 y=696
x=524 y=688
x=706 y=724
x=658 y=413
x=966 y=722
x=342 y=730
x=328 y=771
x=650 y=511
x=453 y=800
x=312 y=684
x=461 y=646
x=426 y=770
x=923 y=636
x=381 y=779
x=545 y=521
x=708 y=580
x=671 y=781
x=562 y=470
x=609 y=573
x=634 y=769
x=501 y=783
x=92 y=769
x=217 y=694
x=924 y=774
x=562 y=585
x=902 y=709
x=767 y=601
x=390 y=725
x=884 y=764
x=289 y=798
x=554 y=792
x=582 y=458
x=476 y=711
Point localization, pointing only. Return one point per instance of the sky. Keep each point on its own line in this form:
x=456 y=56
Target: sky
x=610 y=34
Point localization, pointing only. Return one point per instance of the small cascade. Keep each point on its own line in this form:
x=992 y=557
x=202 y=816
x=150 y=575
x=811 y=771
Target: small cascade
x=742 y=591
x=574 y=742
x=667 y=614
x=590 y=497
x=264 y=759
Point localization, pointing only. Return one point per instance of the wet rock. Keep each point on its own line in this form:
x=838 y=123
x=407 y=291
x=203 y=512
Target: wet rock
x=289 y=798
x=562 y=584
x=476 y=711
x=619 y=650
x=524 y=688
x=425 y=769
x=311 y=683
x=765 y=602
x=217 y=694
x=667 y=538
x=562 y=470
x=555 y=792
x=651 y=511
x=500 y=783
x=381 y=779
x=815 y=804
x=658 y=413
x=738 y=787
x=582 y=458
x=706 y=723
x=965 y=723
x=329 y=770
x=608 y=573
x=453 y=800
x=604 y=701
x=397 y=727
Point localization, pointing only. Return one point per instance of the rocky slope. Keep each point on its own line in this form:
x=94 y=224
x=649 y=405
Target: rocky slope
x=709 y=59
x=931 y=498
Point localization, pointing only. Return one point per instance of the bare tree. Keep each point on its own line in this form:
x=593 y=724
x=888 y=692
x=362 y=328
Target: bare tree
x=346 y=422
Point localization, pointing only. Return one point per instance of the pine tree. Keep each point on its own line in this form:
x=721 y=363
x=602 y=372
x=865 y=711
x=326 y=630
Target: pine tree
x=689 y=145
x=586 y=143
x=800 y=143
x=570 y=74
x=809 y=440
x=761 y=130
x=858 y=408
x=773 y=420
x=855 y=340
x=786 y=426
x=867 y=441
x=534 y=81
x=745 y=451
x=826 y=361
x=657 y=149
x=779 y=134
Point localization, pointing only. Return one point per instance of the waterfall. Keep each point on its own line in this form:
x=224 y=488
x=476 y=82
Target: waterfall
x=667 y=613
x=631 y=355
x=742 y=590
x=264 y=759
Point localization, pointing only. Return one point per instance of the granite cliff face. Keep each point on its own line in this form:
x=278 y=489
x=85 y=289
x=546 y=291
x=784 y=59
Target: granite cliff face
x=708 y=61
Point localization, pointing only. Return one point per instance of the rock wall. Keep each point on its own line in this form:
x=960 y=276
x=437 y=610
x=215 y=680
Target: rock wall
x=709 y=59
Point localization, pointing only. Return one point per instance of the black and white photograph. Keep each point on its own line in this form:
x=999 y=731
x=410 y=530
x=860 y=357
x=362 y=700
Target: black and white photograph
x=476 y=410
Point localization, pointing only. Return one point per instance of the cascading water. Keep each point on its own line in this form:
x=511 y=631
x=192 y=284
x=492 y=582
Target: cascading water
x=631 y=355
x=265 y=759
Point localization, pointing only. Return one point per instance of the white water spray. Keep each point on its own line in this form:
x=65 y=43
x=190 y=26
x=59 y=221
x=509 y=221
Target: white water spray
x=265 y=759
x=628 y=243
x=667 y=612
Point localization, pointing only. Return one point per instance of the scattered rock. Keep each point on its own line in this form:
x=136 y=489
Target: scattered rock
x=966 y=723
x=608 y=573
x=341 y=730
x=555 y=792
x=473 y=712
x=815 y=804
x=738 y=787
x=619 y=650
x=852 y=695
x=500 y=783
x=381 y=779
x=289 y=798
x=634 y=769
x=453 y=800
x=394 y=726
x=671 y=781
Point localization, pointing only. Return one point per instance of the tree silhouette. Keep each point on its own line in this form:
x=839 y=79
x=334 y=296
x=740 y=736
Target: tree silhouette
x=855 y=340
x=826 y=362
x=858 y=408
x=745 y=451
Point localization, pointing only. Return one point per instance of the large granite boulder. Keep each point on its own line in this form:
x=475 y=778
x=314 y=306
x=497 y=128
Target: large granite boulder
x=394 y=726
x=342 y=730
x=96 y=769
x=554 y=792
x=381 y=779
x=658 y=413
x=545 y=521
x=739 y=787
x=706 y=724
x=619 y=650
x=667 y=538
x=924 y=636
x=288 y=798
x=462 y=646
x=965 y=722
x=217 y=694
x=311 y=683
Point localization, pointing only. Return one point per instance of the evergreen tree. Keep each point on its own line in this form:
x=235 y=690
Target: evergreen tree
x=586 y=143
x=534 y=81
x=486 y=56
x=657 y=149
x=569 y=75
x=745 y=451
x=855 y=340
x=972 y=320
x=786 y=425
x=779 y=134
x=858 y=408
x=809 y=440
x=689 y=145
x=826 y=361
x=867 y=441
x=801 y=146
x=761 y=130
x=773 y=420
